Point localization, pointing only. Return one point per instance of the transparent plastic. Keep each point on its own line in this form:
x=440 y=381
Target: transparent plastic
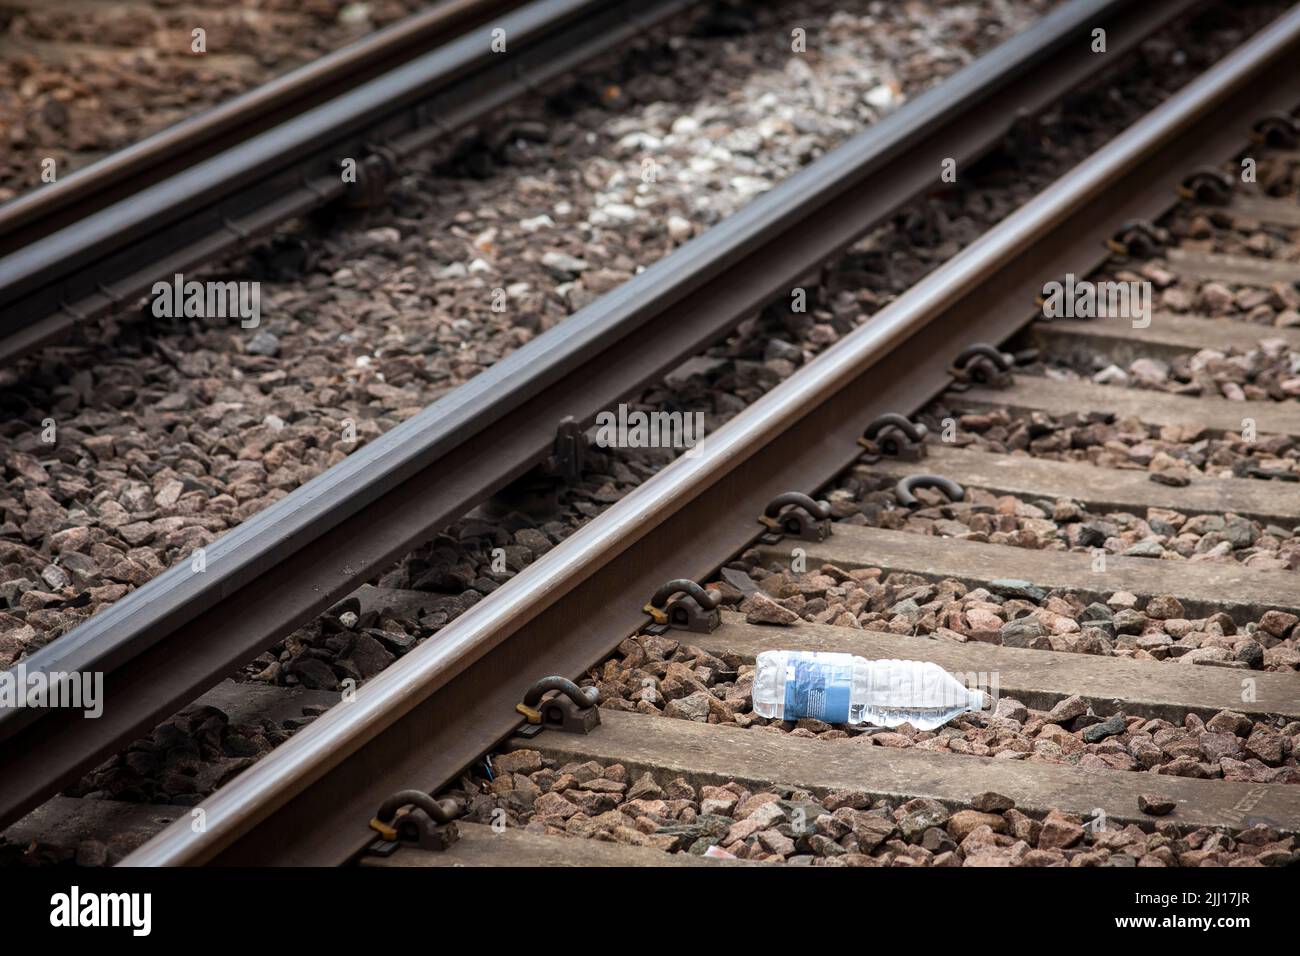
x=844 y=688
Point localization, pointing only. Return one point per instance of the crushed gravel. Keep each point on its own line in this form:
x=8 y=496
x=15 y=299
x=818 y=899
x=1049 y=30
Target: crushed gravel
x=782 y=824
x=662 y=676
x=1270 y=372
x=78 y=82
x=1173 y=453
x=1065 y=525
x=1019 y=614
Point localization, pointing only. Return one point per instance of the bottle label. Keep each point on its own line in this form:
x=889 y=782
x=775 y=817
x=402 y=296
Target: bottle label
x=819 y=686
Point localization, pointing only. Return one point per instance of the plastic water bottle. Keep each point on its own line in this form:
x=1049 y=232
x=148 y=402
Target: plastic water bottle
x=846 y=689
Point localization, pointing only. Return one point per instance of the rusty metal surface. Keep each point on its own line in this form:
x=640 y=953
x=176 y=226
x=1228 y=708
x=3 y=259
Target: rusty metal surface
x=163 y=644
x=423 y=720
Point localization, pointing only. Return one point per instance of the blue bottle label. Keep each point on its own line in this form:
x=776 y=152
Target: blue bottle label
x=819 y=686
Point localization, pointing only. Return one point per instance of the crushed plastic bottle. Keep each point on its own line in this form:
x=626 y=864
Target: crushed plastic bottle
x=846 y=689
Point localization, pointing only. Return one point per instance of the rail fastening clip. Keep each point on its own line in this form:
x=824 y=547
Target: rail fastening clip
x=1138 y=238
x=903 y=490
x=568 y=451
x=1207 y=184
x=696 y=610
x=568 y=707
x=427 y=823
x=982 y=364
x=894 y=436
x=803 y=518
x=1278 y=129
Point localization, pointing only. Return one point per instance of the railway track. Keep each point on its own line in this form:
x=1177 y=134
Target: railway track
x=89 y=80
x=1171 y=683
x=172 y=635
x=583 y=599
x=332 y=133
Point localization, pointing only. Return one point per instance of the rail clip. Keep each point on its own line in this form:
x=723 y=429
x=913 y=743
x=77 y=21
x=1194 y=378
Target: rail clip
x=982 y=364
x=568 y=451
x=1138 y=238
x=426 y=823
x=903 y=490
x=1208 y=184
x=1278 y=129
x=802 y=518
x=696 y=610
x=894 y=436
x=568 y=708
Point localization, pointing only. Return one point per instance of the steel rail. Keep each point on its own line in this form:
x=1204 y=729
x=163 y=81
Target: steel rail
x=40 y=211
x=162 y=645
x=435 y=711
x=113 y=256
